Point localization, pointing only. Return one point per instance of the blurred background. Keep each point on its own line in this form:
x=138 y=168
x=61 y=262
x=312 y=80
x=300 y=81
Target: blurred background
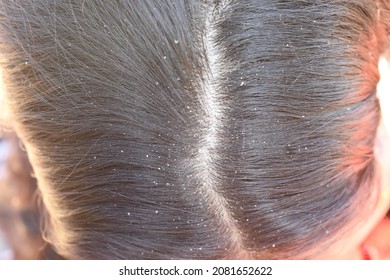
x=20 y=231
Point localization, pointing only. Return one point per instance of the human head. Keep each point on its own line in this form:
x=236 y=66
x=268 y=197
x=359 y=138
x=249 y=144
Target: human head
x=192 y=129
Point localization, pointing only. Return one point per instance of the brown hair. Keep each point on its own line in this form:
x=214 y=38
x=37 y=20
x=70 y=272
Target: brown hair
x=196 y=129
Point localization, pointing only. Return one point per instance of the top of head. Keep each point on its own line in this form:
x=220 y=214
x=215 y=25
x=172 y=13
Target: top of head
x=192 y=129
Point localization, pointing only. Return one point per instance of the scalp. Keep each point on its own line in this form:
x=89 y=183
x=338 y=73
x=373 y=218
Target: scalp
x=213 y=129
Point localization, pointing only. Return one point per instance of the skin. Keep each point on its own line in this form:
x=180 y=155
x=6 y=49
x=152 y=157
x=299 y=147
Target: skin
x=375 y=245
x=368 y=239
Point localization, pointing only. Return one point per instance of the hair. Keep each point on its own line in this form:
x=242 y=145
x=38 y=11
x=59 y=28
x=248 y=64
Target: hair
x=20 y=234
x=196 y=129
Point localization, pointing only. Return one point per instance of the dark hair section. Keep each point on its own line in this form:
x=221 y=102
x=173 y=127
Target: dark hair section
x=196 y=129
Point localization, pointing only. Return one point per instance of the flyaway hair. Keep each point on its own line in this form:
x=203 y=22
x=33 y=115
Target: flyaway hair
x=196 y=129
